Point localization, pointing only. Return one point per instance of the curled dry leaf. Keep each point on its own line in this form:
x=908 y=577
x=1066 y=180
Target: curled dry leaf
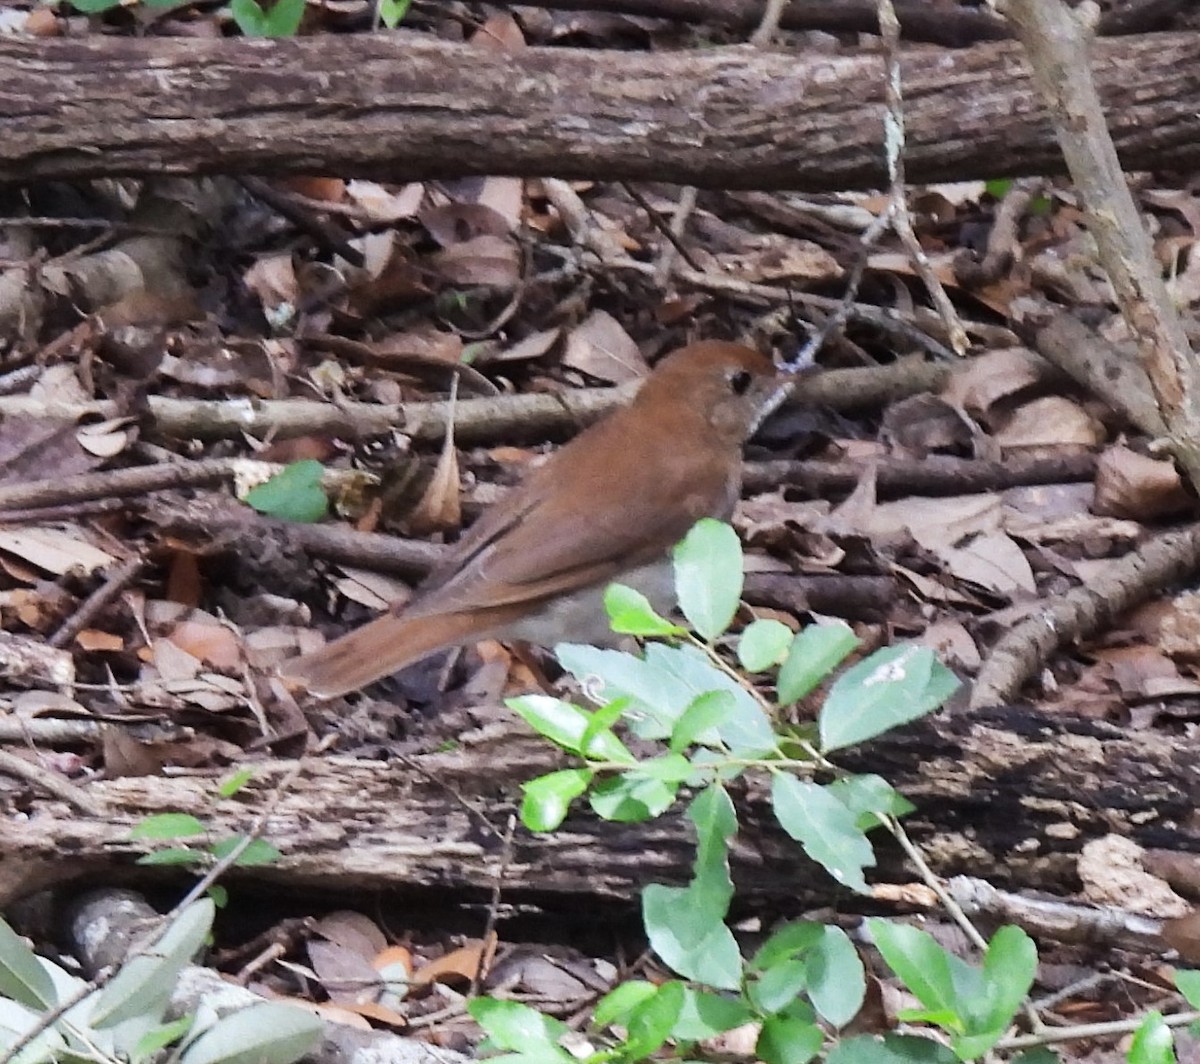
x=457 y=966
x=440 y=507
x=107 y=439
x=382 y=205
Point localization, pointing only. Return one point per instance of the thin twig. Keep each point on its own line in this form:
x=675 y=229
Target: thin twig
x=116 y=580
x=893 y=124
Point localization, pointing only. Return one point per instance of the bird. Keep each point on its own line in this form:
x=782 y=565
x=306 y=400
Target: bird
x=608 y=505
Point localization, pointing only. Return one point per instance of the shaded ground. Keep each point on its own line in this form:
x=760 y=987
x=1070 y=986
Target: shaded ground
x=199 y=335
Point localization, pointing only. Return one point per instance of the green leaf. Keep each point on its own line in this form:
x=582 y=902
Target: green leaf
x=632 y=797
x=705 y=1015
x=270 y=1033
x=868 y=797
x=703 y=719
x=650 y=1023
x=22 y=977
x=598 y=733
x=619 y=1002
x=517 y=1027
x=708 y=576
x=1153 y=1042
x=565 y=725
x=1009 y=968
x=630 y=613
x=219 y=895
x=143 y=985
x=167 y=826
x=161 y=1036
x=174 y=855
x=1037 y=1055
x=548 y=798
x=824 y=827
x=788 y=1040
x=689 y=940
x=779 y=986
x=662 y=685
x=259 y=852
x=1187 y=982
x=789 y=941
x=230 y=786
x=997 y=187
x=685 y=925
x=391 y=13
x=922 y=965
x=837 y=984
x=94 y=7
x=891 y=687
x=814 y=654
x=763 y=643
x=282 y=20
x=891 y=1049
x=294 y=493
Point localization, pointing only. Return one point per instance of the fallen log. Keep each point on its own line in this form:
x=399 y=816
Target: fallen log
x=404 y=107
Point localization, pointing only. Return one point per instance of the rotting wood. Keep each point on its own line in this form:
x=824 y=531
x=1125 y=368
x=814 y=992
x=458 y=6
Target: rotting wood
x=405 y=107
x=1009 y=794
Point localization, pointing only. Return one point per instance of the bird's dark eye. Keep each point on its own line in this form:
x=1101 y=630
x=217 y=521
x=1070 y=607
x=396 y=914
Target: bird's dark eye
x=740 y=381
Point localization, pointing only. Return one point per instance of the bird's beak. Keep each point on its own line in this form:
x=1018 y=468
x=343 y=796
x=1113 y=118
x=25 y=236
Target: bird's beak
x=772 y=399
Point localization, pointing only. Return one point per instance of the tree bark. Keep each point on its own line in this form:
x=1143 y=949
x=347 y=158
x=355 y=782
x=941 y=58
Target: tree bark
x=1010 y=795
x=404 y=107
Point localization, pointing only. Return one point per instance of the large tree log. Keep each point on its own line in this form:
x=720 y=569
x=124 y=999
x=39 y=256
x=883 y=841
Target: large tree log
x=1010 y=795
x=405 y=107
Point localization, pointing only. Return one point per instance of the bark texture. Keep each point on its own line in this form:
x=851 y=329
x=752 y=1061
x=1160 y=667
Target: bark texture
x=404 y=107
x=1009 y=794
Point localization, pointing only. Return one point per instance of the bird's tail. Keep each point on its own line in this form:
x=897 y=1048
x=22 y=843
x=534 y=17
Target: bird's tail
x=377 y=649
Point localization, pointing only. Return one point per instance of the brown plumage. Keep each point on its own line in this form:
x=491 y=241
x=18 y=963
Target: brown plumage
x=610 y=504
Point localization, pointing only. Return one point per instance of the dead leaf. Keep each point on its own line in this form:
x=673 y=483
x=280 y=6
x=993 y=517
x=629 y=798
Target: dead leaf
x=456 y=223
x=54 y=550
x=500 y=33
x=383 y=205
x=1051 y=421
x=95 y=641
x=979 y=383
x=214 y=644
x=992 y=561
x=485 y=260
x=346 y=975
x=107 y=439
x=600 y=347
x=459 y=966
x=440 y=507
x=1136 y=486
x=353 y=931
